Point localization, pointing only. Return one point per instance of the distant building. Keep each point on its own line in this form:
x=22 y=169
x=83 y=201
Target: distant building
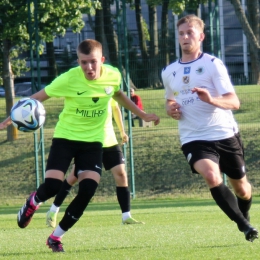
x=233 y=54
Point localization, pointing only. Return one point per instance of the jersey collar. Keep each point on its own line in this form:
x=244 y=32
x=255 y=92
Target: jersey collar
x=201 y=55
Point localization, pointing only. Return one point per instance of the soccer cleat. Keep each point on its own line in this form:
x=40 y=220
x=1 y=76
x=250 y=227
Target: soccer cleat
x=131 y=221
x=55 y=245
x=25 y=214
x=251 y=234
x=51 y=218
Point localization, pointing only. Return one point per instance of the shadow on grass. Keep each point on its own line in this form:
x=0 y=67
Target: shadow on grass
x=135 y=204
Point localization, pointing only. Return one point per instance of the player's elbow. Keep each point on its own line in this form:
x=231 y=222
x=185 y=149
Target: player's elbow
x=232 y=101
x=236 y=105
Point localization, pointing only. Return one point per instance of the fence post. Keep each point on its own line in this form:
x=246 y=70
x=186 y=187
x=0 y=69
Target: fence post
x=127 y=83
x=34 y=89
x=224 y=178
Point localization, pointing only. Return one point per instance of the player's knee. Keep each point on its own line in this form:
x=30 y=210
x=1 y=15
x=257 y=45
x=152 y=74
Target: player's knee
x=212 y=179
x=87 y=188
x=71 y=179
x=242 y=188
x=52 y=186
x=243 y=192
x=120 y=175
x=120 y=178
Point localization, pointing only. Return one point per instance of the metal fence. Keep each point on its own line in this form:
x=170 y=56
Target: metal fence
x=159 y=167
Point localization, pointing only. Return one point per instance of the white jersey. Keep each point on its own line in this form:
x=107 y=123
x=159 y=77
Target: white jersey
x=200 y=120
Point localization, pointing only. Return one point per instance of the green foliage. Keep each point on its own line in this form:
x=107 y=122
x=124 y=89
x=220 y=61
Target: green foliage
x=18 y=64
x=178 y=6
x=13 y=25
x=145 y=29
x=53 y=18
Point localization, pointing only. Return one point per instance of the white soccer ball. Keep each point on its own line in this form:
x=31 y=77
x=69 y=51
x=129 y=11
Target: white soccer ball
x=28 y=115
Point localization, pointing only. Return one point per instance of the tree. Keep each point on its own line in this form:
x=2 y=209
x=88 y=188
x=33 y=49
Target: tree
x=165 y=56
x=154 y=69
x=100 y=32
x=53 y=17
x=105 y=33
x=143 y=36
x=156 y=54
x=13 y=34
x=251 y=29
x=111 y=36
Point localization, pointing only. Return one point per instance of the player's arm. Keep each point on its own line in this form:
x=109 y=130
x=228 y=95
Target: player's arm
x=119 y=122
x=226 y=101
x=5 y=123
x=40 y=96
x=124 y=101
x=227 y=98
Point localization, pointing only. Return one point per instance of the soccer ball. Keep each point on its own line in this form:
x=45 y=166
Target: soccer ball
x=28 y=115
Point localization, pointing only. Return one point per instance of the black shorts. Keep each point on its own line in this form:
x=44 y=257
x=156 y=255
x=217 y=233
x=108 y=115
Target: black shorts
x=86 y=155
x=227 y=153
x=112 y=156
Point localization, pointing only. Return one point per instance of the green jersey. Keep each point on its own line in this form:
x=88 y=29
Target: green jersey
x=110 y=137
x=86 y=103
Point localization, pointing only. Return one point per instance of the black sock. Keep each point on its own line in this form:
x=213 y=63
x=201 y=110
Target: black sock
x=48 y=189
x=226 y=200
x=123 y=196
x=244 y=206
x=74 y=211
x=62 y=194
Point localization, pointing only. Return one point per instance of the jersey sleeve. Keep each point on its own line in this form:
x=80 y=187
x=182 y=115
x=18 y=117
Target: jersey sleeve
x=56 y=88
x=113 y=103
x=220 y=77
x=117 y=88
x=114 y=76
x=168 y=91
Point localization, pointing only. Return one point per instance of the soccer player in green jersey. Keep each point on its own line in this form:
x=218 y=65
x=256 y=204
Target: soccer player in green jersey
x=79 y=134
x=113 y=160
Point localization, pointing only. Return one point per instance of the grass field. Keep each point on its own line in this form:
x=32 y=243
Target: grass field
x=175 y=229
x=179 y=227
x=160 y=168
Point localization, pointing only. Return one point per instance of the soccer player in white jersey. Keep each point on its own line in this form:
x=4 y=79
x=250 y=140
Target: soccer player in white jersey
x=113 y=160
x=79 y=134
x=200 y=95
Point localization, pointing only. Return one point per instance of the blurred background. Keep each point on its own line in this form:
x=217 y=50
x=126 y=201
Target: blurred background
x=39 y=39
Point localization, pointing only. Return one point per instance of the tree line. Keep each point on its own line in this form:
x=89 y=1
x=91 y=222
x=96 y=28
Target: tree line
x=19 y=18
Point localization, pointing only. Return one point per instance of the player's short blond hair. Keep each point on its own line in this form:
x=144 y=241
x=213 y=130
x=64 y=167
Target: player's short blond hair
x=192 y=18
x=88 y=46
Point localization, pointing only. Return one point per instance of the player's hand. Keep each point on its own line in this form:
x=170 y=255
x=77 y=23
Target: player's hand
x=203 y=94
x=151 y=117
x=5 y=123
x=124 y=137
x=2 y=126
x=173 y=110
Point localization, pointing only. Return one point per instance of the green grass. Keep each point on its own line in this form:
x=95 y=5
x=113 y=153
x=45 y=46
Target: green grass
x=175 y=229
x=159 y=166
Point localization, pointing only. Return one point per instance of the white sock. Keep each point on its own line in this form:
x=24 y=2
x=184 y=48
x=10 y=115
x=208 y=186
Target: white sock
x=126 y=215
x=35 y=203
x=54 y=208
x=58 y=232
